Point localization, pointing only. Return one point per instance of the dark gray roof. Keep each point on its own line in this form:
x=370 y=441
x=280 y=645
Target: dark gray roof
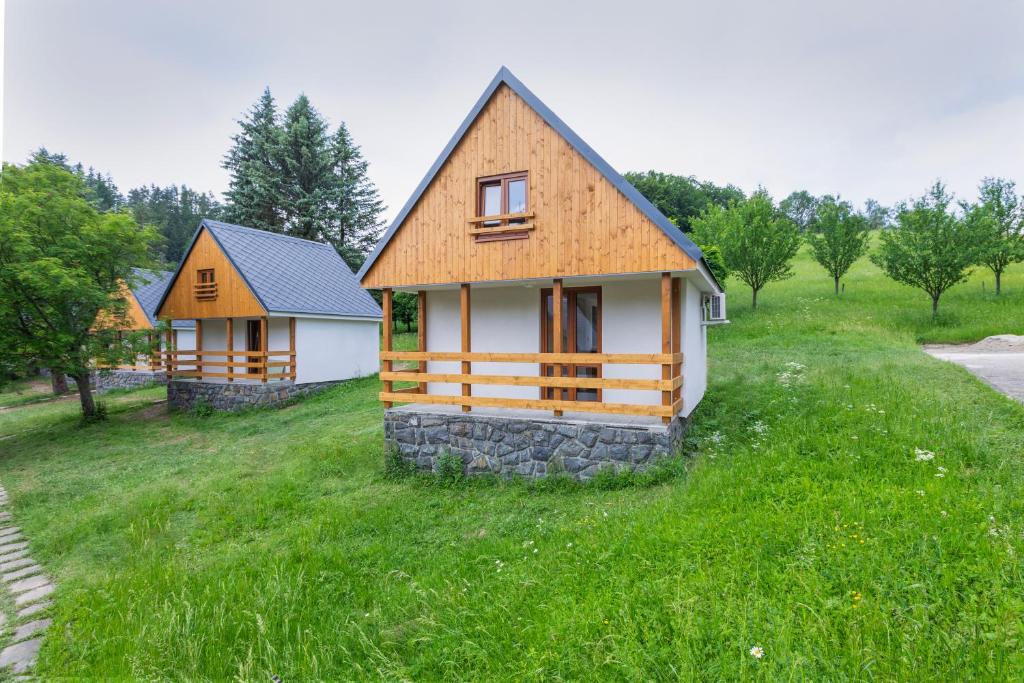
x=149 y=287
x=505 y=76
x=291 y=275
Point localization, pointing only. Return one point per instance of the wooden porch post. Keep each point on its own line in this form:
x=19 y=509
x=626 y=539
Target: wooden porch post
x=231 y=348
x=263 y=348
x=677 y=335
x=386 y=299
x=421 y=332
x=556 y=333
x=168 y=348
x=467 y=367
x=199 y=348
x=666 y=337
x=292 y=360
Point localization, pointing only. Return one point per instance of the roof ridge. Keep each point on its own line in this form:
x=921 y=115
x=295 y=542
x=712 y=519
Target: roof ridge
x=265 y=233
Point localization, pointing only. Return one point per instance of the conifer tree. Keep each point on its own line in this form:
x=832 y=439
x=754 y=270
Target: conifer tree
x=254 y=192
x=307 y=173
x=357 y=203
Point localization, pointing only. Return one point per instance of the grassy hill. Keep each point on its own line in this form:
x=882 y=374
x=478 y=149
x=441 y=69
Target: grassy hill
x=271 y=542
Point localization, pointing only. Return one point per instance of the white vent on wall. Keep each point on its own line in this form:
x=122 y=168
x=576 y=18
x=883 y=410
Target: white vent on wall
x=713 y=309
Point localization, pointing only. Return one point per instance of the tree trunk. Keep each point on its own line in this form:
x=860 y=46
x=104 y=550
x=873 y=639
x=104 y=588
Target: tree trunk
x=999 y=278
x=837 y=285
x=753 y=304
x=935 y=307
x=85 y=394
x=59 y=382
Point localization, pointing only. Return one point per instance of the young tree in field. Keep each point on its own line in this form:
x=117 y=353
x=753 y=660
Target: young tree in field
x=838 y=237
x=254 y=190
x=878 y=217
x=405 y=309
x=756 y=241
x=358 y=205
x=62 y=263
x=997 y=222
x=931 y=248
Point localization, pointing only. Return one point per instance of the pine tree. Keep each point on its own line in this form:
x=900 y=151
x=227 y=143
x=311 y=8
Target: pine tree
x=307 y=168
x=254 y=193
x=357 y=203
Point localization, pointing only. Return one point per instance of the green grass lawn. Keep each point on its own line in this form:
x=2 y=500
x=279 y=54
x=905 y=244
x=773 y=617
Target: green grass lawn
x=270 y=542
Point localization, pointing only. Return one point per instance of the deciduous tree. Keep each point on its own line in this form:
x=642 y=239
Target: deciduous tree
x=62 y=262
x=757 y=242
x=838 y=237
x=997 y=222
x=931 y=248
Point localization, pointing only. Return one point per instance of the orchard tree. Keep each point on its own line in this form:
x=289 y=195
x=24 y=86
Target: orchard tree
x=931 y=248
x=756 y=241
x=997 y=222
x=63 y=266
x=405 y=309
x=838 y=237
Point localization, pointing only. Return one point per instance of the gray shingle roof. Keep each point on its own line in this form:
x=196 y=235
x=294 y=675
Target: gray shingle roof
x=292 y=275
x=504 y=76
x=149 y=288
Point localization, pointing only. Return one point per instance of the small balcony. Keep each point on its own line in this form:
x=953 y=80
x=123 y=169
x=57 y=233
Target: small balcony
x=205 y=291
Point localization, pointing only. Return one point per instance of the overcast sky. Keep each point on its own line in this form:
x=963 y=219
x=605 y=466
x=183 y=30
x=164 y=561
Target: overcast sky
x=866 y=99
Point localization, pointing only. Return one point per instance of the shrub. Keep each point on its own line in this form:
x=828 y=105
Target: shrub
x=449 y=468
x=202 y=408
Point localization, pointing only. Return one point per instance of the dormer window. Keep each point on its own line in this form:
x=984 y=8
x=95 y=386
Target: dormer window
x=502 y=208
x=206 y=284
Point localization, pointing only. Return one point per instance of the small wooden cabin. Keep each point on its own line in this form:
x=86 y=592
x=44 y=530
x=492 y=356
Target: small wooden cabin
x=275 y=317
x=555 y=301
x=143 y=294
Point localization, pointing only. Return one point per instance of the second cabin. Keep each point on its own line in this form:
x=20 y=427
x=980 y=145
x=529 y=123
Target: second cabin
x=275 y=317
x=555 y=301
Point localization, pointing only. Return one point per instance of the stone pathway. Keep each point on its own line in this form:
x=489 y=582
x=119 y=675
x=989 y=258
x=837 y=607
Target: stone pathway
x=30 y=588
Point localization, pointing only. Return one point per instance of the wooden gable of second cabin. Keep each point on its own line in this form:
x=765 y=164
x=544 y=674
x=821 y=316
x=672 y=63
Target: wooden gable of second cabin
x=230 y=298
x=581 y=225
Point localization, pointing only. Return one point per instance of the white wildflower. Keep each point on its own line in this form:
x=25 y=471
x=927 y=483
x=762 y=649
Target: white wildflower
x=919 y=492
x=757 y=652
x=922 y=455
x=941 y=472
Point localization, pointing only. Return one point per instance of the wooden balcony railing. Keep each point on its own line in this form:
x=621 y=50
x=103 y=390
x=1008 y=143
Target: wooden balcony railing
x=669 y=386
x=153 y=362
x=262 y=366
x=205 y=291
x=504 y=226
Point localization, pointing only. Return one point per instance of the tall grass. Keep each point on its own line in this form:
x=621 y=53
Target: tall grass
x=272 y=543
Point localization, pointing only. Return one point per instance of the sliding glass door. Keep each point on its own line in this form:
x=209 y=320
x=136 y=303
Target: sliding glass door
x=581 y=333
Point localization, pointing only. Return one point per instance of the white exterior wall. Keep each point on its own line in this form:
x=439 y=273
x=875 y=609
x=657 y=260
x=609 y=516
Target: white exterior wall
x=329 y=350
x=507 y=319
x=326 y=349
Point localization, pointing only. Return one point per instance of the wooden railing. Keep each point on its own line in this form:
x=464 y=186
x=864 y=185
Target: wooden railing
x=669 y=386
x=258 y=365
x=206 y=291
x=502 y=226
x=153 y=362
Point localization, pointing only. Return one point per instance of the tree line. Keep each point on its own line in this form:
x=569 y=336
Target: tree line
x=931 y=242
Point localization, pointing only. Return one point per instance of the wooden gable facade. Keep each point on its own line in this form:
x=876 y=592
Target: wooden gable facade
x=135 y=317
x=579 y=222
x=189 y=298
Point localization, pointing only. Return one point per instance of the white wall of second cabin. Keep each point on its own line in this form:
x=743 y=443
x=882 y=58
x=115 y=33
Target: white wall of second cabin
x=328 y=349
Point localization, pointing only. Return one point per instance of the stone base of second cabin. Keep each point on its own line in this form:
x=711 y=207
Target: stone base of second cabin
x=105 y=381
x=529 y=443
x=233 y=396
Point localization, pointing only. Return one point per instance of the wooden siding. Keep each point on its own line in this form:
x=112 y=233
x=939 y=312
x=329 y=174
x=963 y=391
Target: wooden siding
x=584 y=225
x=234 y=299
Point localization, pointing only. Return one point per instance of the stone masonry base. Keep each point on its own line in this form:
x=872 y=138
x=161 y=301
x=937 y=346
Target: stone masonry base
x=232 y=396
x=126 y=379
x=526 y=445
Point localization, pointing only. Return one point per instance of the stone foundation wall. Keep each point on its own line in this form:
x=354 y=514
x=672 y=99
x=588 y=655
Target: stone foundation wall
x=232 y=396
x=105 y=381
x=528 y=447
